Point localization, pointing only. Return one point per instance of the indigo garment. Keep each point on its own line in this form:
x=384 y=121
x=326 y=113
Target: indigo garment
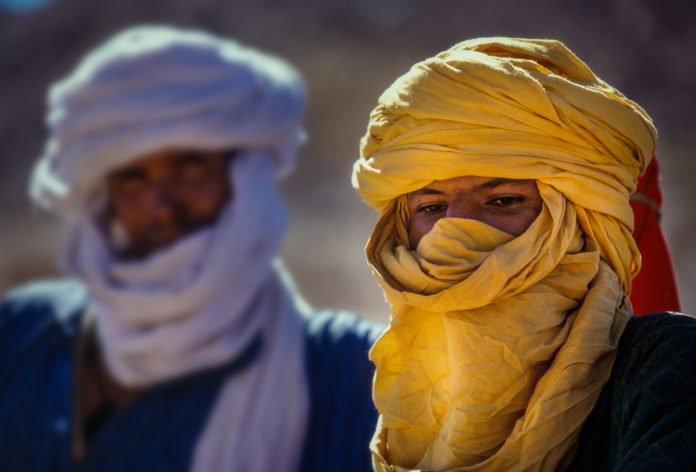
x=39 y=327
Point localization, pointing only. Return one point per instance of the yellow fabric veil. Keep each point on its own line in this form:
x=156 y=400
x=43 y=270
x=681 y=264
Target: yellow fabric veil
x=499 y=346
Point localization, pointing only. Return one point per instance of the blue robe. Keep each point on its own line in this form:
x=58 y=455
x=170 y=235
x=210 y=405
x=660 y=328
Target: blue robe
x=39 y=328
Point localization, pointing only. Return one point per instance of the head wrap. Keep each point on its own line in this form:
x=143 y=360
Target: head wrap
x=519 y=109
x=154 y=87
x=498 y=345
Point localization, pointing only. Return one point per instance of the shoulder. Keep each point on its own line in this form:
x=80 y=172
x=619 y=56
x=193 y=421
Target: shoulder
x=656 y=358
x=28 y=312
x=338 y=367
x=654 y=338
x=660 y=325
x=645 y=417
x=331 y=329
x=339 y=373
x=654 y=393
x=59 y=297
x=338 y=342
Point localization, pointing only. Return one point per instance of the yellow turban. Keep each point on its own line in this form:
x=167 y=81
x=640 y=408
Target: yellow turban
x=498 y=345
x=519 y=109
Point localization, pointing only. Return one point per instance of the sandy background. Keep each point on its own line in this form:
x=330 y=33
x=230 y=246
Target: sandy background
x=349 y=51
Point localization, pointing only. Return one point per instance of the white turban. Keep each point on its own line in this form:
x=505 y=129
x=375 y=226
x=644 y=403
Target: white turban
x=152 y=88
x=201 y=301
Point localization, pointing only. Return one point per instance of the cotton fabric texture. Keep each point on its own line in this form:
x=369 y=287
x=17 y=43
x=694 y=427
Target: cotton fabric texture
x=200 y=302
x=499 y=346
x=520 y=109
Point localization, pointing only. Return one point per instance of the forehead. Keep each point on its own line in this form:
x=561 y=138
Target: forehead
x=471 y=183
x=165 y=159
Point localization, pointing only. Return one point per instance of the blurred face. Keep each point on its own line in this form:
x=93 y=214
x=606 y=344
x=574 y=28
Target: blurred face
x=165 y=195
x=508 y=205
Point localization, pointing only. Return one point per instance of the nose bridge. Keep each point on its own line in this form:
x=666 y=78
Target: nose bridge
x=462 y=206
x=163 y=199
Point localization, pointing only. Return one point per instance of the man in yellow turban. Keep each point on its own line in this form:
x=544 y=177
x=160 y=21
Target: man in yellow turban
x=502 y=170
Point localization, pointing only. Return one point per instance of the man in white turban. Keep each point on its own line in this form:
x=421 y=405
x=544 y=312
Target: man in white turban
x=178 y=343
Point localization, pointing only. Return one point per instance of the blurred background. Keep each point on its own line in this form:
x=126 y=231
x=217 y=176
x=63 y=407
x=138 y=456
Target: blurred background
x=349 y=51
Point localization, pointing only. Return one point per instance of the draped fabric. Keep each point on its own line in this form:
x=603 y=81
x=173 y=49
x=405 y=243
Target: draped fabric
x=199 y=302
x=498 y=345
x=486 y=363
x=151 y=88
x=519 y=109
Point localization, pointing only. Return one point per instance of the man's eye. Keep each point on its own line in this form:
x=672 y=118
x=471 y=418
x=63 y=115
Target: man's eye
x=505 y=201
x=432 y=208
x=190 y=171
x=128 y=181
x=129 y=186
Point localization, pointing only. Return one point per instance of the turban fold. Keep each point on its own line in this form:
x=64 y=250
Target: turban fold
x=519 y=109
x=153 y=88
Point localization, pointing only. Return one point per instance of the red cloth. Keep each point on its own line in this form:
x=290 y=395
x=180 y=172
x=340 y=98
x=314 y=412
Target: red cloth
x=655 y=287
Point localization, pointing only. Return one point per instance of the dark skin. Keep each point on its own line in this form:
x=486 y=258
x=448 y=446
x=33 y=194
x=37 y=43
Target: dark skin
x=158 y=199
x=166 y=195
x=506 y=204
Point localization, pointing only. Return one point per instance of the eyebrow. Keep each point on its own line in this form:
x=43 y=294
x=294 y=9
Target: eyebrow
x=128 y=173
x=498 y=182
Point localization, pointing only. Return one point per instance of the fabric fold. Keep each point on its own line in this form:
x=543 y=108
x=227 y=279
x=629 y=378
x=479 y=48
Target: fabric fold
x=528 y=110
x=155 y=87
x=499 y=346
x=198 y=304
